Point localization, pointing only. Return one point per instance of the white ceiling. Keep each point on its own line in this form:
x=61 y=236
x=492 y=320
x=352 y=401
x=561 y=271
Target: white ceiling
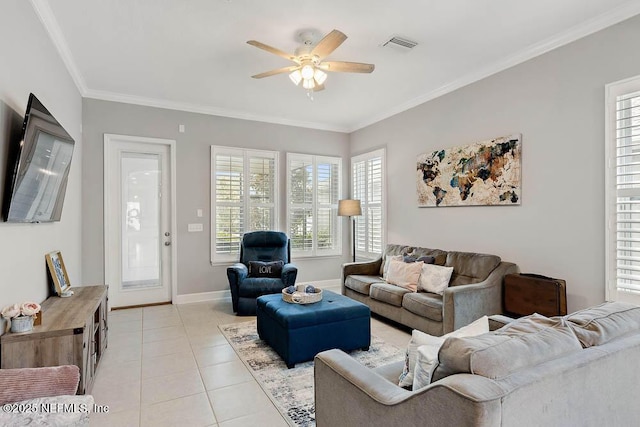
x=192 y=54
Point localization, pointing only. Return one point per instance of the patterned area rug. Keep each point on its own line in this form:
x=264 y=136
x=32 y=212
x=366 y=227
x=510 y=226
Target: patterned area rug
x=291 y=390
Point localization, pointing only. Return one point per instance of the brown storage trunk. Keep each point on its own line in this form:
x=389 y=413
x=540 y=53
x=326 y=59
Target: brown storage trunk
x=526 y=294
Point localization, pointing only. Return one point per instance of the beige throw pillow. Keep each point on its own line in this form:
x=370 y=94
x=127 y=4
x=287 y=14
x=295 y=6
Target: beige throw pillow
x=434 y=278
x=387 y=263
x=404 y=274
x=420 y=339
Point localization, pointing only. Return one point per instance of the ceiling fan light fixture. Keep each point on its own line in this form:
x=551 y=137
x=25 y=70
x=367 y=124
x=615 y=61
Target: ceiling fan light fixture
x=308 y=83
x=307 y=71
x=296 y=77
x=319 y=76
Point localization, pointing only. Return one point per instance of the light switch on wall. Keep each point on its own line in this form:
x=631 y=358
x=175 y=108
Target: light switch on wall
x=199 y=213
x=192 y=228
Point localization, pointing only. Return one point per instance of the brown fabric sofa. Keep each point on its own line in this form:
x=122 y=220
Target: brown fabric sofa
x=475 y=289
x=509 y=377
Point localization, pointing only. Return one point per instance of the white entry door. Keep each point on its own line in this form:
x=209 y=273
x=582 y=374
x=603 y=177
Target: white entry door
x=139 y=220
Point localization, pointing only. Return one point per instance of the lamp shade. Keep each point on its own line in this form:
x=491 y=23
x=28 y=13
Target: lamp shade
x=348 y=207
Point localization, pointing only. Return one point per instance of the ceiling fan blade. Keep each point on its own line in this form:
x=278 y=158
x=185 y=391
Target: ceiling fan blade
x=318 y=88
x=328 y=44
x=276 y=71
x=347 y=67
x=273 y=50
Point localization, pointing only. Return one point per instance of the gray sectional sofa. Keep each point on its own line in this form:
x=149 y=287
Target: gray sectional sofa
x=579 y=370
x=475 y=289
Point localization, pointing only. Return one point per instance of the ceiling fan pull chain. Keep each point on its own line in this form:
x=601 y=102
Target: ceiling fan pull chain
x=310 y=94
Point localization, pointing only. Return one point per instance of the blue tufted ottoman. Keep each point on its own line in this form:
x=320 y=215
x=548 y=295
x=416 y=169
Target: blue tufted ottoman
x=299 y=332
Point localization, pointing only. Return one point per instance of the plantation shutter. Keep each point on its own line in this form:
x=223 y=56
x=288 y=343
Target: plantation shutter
x=359 y=183
x=244 y=197
x=313 y=191
x=300 y=178
x=627 y=112
x=262 y=192
x=368 y=187
x=328 y=194
x=229 y=194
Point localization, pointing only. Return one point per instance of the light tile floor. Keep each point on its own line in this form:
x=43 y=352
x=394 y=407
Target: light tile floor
x=171 y=366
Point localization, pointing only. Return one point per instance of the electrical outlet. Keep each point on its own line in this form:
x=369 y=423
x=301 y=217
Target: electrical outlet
x=192 y=228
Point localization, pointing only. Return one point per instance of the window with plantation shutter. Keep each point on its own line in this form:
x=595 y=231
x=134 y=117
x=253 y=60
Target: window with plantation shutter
x=244 y=197
x=368 y=184
x=313 y=191
x=623 y=191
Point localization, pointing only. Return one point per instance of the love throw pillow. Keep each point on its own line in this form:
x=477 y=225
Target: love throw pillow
x=265 y=269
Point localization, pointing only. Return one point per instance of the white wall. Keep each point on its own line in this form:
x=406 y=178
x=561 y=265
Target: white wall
x=30 y=63
x=195 y=273
x=556 y=101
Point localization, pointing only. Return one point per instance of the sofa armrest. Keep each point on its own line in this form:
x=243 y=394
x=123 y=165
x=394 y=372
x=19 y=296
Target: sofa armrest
x=369 y=268
x=348 y=393
x=289 y=274
x=29 y=383
x=463 y=304
x=236 y=274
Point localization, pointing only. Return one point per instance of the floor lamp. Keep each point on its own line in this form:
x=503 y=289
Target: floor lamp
x=349 y=207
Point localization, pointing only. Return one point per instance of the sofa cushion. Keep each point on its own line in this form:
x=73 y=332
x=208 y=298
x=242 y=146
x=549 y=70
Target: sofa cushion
x=405 y=275
x=390 y=294
x=392 y=250
x=605 y=322
x=253 y=287
x=470 y=267
x=529 y=324
x=495 y=355
x=423 y=304
x=361 y=283
x=435 y=278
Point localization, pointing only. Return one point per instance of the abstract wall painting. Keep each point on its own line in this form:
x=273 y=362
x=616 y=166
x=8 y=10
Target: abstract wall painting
x=479 y=174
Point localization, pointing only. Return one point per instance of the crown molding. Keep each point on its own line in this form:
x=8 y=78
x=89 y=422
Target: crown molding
x=46 y=16
x=577 y=32
x=612 y=17
x=205 y=109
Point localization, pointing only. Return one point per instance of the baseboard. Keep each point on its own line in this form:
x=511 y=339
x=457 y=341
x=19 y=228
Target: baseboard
x=222 y=295
x=202 y=297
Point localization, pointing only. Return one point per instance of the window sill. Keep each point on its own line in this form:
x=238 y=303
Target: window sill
x=295 y=258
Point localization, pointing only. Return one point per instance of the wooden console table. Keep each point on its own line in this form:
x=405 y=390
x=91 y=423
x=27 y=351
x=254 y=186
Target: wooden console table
x=73 y=332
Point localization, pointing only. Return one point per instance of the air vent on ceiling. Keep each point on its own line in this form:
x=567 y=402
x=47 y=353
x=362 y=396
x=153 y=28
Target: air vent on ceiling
x=400 y=44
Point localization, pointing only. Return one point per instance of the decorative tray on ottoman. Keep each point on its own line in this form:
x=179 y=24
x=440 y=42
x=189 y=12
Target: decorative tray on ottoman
x=302 y=297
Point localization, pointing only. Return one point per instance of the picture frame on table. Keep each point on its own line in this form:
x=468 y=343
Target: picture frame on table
x=58 y=274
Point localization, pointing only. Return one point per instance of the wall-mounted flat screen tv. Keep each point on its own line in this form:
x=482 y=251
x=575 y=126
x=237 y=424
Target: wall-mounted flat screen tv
x=37 y=168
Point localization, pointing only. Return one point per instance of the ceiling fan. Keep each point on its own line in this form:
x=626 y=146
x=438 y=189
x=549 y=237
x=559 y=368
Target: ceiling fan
x=310 y=67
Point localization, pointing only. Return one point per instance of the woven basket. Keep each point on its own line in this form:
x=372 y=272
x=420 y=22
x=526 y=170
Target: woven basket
x=301 y=297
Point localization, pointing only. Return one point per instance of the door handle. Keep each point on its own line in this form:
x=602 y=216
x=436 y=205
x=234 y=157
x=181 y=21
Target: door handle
x=167 y=234
x=167 y=243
